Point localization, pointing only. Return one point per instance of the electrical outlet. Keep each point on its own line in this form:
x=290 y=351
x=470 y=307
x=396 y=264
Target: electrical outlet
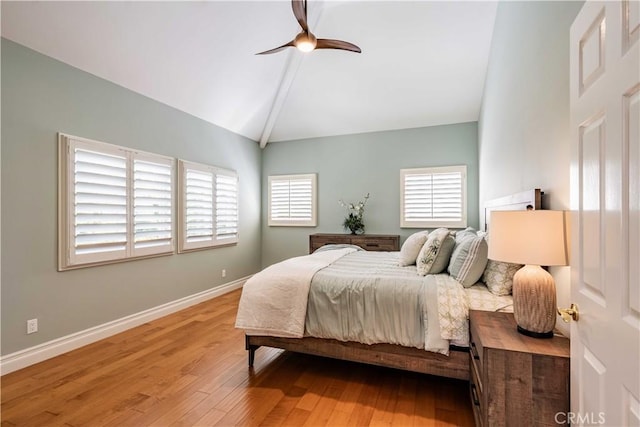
x=32 y=326
x=224 y=273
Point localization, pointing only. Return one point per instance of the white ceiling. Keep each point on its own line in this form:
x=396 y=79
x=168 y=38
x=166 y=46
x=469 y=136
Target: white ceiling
x=423 y=63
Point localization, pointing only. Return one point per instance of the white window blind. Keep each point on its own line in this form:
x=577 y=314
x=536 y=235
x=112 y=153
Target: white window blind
x=198 y=193
x=209 y=206
x=292 y=200
x=226 y=207
x=99 y=204
x=152 y=204
x=114 y=203
x=433 y=197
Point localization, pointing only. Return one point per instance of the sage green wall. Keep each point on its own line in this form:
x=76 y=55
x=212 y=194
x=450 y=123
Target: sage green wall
x=349 y=166
x=524 y=139
x=40 y=97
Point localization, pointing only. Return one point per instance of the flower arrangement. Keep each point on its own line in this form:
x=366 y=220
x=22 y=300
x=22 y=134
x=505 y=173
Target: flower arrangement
x=354 y=221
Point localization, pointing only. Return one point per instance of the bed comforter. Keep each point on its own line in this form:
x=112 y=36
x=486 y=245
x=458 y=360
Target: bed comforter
x=355 y=296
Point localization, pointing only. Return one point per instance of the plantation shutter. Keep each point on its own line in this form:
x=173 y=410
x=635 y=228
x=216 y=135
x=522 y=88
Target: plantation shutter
x=209 y=206
x=114 y=203
x=227 y=206
x=199 y=206
x=292 y=200
x=433 y=197
x=152 y=205
x=99 y=204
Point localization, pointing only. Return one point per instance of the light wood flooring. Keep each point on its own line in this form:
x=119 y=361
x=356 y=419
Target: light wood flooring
x=190 y=368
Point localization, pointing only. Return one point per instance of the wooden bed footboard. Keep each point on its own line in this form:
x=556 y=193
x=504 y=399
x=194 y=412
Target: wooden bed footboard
x=456 y=365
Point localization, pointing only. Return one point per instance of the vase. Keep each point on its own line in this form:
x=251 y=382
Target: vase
x=357 y=229
x=354 y=224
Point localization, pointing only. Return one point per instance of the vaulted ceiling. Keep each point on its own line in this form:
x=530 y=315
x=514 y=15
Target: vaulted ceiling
x=423 y=63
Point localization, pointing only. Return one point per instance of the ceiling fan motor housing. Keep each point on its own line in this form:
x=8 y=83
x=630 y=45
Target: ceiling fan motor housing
x=305 y=41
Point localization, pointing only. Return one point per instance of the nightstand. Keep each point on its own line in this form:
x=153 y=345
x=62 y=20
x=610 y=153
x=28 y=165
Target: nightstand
x=515 y=379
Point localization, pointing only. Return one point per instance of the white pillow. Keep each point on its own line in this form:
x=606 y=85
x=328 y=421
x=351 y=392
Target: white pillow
x=498 y=276
x=468 y=260
x=463 y=234
x=411 y=248
x=434 y=255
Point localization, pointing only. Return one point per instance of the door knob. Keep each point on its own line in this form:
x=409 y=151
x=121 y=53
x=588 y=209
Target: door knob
x=569 y=313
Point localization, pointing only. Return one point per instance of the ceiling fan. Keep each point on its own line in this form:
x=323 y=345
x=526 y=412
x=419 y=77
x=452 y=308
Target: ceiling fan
x=305 y=41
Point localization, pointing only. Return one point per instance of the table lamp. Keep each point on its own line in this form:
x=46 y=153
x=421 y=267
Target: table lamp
x=534 y=238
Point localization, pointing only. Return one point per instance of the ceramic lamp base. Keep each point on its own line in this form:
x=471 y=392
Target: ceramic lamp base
x=534 y=301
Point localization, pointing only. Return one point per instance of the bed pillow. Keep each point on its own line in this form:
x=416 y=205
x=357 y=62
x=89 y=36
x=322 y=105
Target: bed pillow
x=469 y=259
x=411 y=248
x=334 y=246
x=466 y=233
x=434 y=255
x=498 y=276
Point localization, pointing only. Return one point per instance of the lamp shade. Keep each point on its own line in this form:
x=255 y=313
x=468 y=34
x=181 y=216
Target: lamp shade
x=528 y=237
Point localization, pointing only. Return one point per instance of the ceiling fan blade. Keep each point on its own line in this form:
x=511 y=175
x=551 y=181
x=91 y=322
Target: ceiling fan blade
x=277 y=49
x=337 y=44
x=300 y=12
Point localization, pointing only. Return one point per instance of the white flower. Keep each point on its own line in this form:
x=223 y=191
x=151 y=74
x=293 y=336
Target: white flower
x=357 y=208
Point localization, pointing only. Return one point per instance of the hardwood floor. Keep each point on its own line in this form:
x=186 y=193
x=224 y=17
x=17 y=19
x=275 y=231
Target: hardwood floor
x=190 y=368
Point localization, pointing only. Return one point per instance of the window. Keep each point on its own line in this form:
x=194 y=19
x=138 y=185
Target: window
x=433 y=197
x=208 y=206
x=292 y=200
x=114 y=203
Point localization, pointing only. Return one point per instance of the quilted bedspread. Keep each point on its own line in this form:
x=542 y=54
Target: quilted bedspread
x=366 y=297
x=359 y=296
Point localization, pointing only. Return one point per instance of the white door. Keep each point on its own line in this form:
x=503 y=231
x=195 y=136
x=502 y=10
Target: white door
x=605 y=200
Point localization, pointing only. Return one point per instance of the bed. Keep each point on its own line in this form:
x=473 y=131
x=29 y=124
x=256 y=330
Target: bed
x=312 y=320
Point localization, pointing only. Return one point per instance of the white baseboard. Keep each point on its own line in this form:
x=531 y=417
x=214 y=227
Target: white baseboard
x=32 y=355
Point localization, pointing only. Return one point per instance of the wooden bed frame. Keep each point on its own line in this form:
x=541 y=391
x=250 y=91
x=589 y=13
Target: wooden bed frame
x=456 y=365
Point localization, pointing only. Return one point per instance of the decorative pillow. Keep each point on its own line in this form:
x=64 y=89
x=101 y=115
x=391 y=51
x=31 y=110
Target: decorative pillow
x=333 y=246
x=498 y=276
x=463 y=234
x=468 y=260
x=411 y=248
x=434 y=255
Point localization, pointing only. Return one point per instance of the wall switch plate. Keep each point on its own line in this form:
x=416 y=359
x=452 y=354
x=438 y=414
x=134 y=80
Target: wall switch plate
x=32 y=326
x=224 y=273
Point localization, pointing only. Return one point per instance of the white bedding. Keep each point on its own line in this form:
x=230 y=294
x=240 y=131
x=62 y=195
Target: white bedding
x=361 y=296
x=481 y=298
x=366 y=297
x=274 y=301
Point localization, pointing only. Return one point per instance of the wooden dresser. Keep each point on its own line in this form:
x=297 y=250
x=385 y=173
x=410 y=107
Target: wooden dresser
x=369 y=242
x=516 y=379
